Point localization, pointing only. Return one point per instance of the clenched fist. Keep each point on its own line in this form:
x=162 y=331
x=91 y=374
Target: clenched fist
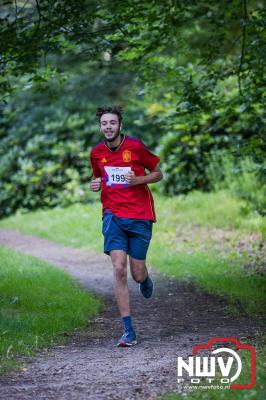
x=96 y=184
x=131 y=178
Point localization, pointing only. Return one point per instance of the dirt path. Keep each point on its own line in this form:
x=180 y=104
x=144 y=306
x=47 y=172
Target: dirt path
x=89 y=366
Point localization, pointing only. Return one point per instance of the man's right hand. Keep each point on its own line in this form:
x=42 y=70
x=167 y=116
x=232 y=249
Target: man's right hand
x=96 y=184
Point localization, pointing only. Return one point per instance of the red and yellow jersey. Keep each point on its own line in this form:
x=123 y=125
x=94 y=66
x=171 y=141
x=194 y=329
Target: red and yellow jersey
x=123 y=200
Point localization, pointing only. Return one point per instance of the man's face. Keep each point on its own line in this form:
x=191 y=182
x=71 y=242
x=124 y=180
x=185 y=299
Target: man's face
x=110 y=127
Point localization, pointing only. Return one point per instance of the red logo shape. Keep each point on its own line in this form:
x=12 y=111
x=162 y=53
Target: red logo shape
x=238 y=345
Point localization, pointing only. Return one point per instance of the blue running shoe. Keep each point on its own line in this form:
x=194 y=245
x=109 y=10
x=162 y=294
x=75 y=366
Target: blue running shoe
x=146 y=287
x=128 y=339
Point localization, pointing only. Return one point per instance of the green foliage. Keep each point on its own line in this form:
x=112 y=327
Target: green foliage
x=32 y=31
x=190 y=74
x=44 y=157
x=46 y=137
x=210 y=115
x=244 y=178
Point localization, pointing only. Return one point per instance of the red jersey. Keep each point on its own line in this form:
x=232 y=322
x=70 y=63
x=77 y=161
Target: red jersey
x=117 y=196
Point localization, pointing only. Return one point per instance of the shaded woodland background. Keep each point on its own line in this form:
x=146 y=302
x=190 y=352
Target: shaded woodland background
x=189 y=74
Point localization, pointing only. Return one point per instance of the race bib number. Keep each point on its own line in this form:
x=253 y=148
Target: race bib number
x=115 y=176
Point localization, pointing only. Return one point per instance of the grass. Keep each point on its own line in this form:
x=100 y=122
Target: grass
x=213 y=274
x=214 y=264
x=77 y=225
x=216 y=209
x=39 y=304
x=211 y=269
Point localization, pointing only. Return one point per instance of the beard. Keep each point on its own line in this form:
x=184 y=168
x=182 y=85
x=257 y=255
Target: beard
x=113 y=138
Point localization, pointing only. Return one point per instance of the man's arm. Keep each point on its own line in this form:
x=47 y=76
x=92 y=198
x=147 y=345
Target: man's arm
x=155 y=175
x=96 y=182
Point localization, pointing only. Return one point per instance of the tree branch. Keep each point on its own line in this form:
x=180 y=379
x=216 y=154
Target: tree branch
x=243 y=47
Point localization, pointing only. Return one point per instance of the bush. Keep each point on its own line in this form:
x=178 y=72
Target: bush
x=185 y=150
x=44 y=159
x=46 y=137
x=244 y=178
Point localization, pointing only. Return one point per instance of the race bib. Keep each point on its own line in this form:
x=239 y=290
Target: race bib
x=115 y=176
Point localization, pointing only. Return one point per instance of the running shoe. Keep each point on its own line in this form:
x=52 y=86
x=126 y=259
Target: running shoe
x=128 y=339
x=146 y=288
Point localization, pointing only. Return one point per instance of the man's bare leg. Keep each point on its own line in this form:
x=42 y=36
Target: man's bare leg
x=138 y=269
x=140 y=274
x=119 y=261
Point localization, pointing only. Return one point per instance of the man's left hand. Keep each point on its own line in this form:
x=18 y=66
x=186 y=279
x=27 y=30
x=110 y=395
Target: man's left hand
x=131 y=178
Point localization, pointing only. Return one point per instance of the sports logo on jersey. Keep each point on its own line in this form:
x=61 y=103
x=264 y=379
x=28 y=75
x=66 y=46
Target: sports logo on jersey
x=126 y=156
x=103 y=160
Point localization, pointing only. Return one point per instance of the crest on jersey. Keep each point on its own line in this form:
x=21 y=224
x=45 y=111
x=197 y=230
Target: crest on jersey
x=103 y=160
x=126 y=156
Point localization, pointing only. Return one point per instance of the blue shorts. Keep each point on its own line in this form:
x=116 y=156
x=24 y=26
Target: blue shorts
x=128 y=234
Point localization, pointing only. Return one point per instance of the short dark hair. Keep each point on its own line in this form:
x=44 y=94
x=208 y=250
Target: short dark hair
x=109 y=110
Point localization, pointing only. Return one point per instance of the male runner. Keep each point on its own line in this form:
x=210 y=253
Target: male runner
x=118 y=165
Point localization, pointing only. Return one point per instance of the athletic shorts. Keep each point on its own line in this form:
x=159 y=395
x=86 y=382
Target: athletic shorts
x=128 y=234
